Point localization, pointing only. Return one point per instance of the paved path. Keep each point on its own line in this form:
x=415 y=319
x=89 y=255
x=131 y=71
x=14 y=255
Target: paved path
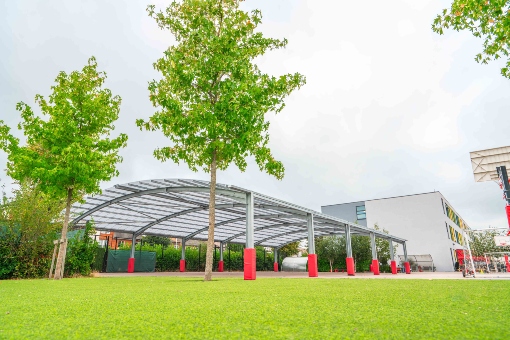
x=295 y=275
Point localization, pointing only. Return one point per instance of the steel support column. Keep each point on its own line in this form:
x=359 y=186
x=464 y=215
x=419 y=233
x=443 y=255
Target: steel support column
x=275 y=259
x=250 y=256
x=375 y=261
x=182 y=264
x=131 y=261
x=312 y=256
x=349 y=261
x=220 y=262
x=393 y=263
x=407 y=266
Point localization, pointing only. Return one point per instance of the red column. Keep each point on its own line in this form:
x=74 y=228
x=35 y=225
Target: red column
x=250 y=264
x=507 y=264
x=349 y=261
x=375 y=266
x=407 y=266
x=393 y=265
x=131 y=265
x=220 y=266
x=275 y=267
x=182 y=266
x=313 y=270
x=507 y=208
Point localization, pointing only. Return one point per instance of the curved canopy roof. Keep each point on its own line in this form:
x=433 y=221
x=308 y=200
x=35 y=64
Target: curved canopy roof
x=180 y=208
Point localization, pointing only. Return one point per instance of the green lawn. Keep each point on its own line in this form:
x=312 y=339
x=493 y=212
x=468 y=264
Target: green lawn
x=185 y=308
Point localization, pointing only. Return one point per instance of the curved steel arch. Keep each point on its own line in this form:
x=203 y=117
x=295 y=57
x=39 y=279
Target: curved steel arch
x=287 y=224
x=184 y=212
x=256 y=217
x=230 y=193
x=288 y=233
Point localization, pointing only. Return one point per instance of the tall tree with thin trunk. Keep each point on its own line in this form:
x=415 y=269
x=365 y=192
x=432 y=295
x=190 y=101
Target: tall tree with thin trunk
x=212 y=98
x=68 y=151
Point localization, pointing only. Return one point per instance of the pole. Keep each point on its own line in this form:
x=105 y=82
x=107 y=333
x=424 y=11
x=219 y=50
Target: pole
x=182 y=263
x=375 y=261
x=469 y=250
x=407 y=266
x=56 y=243
x=503 y=176
x=313 y=270
x=221 y=263
x=131 y=261
x=349 y=261
x=393 y=263
x=250 y=257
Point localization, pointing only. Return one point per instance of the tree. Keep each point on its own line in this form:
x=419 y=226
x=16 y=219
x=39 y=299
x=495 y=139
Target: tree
x=151 y=239
x=28 y=224
x=290 y=249
x=212 y=98
x=383 y=246
x=361 y=251
x=482 y=242
x=68 y=154
x=331 y=248
x=488 y=20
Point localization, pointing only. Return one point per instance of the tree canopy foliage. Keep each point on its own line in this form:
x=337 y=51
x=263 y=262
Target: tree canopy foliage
x=482 y=242
x=488 y=20
x=68 y=151
x=212 y=98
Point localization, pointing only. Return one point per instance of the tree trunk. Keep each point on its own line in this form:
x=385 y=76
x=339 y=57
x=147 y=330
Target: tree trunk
x=330 y=266
x=59 y=270
x=212 y=218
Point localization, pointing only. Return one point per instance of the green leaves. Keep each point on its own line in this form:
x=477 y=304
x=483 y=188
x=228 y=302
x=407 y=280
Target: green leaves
x=212 y=97
x=489 y=20
x=69 y=146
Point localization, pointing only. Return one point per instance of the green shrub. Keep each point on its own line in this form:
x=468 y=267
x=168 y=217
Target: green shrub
x=81 y=252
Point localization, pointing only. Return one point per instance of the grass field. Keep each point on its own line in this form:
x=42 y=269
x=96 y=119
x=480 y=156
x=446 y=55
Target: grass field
x=186 y=308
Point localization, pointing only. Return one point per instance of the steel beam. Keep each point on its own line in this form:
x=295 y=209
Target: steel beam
x=372 y=243
x=249 y=220
x=348 y=243
x=311 y=236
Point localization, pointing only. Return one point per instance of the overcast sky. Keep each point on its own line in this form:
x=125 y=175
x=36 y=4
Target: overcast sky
x=390 y=108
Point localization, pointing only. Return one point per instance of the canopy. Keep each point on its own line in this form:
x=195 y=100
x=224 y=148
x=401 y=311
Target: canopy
x=179 y=208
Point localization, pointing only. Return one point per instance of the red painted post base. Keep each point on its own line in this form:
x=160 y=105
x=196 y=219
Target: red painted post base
x=131 y=265
x=407 y=266
x=182 y=266
x=275 y=267
x=349 y=261
x=393 y=266
x=313 y=270
x=250 y=264
x=220 y=266
x=375 y=267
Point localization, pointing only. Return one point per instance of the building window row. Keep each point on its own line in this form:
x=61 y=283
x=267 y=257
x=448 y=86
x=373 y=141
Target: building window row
x=361 y=213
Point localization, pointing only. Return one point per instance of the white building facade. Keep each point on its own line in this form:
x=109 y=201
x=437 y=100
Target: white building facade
x=427 y=221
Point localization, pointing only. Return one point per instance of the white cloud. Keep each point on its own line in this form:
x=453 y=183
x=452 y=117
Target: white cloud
x=389 y=108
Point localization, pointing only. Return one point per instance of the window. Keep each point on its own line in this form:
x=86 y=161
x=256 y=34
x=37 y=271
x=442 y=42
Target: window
x=361 y=212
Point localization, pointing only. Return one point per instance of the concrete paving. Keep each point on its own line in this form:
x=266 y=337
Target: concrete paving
x=301 y=275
